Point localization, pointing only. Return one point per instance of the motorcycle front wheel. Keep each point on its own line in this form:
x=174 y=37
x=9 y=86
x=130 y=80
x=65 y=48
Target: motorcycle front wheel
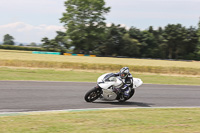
x=92 y=94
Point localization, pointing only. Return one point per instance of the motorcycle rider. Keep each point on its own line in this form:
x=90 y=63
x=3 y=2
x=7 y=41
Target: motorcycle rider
x=114 y=86
x=127 y=80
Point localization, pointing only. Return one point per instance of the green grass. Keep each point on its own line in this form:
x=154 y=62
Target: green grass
x=183 y=120
x=80 y=76
x=27 y=59
x=46 y=75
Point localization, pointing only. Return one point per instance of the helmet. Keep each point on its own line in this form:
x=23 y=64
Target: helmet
x=124 y=72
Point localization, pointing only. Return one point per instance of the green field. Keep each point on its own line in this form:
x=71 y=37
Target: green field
x=84 y=76
x=185 y=120
x=27 y=59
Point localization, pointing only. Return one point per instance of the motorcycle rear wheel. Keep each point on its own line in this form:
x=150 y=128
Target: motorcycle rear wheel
x=131 y=94
x=127 y=98
x=92 y=94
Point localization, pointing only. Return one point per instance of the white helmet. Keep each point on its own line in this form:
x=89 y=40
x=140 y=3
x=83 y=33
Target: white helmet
x=124 y=72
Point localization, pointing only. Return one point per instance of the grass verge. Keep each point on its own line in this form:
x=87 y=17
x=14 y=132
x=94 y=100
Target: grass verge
x=183 y=120
x=81 y=76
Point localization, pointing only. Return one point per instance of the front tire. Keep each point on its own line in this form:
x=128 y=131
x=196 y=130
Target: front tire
x=92 y=94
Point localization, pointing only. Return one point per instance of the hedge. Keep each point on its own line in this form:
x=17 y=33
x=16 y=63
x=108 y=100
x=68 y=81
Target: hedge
x=11 y=47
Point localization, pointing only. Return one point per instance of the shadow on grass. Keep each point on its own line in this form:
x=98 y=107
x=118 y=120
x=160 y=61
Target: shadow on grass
x=127 y=103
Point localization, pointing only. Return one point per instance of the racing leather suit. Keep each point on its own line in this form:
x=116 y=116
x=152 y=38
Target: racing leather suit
x=127 y=83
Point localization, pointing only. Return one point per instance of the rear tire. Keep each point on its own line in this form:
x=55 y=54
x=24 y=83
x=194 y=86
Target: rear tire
x=126 y=98
x=92 y=94
x=131 y=93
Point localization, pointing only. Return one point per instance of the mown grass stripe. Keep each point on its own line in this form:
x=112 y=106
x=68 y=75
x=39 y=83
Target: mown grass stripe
x=98 y=66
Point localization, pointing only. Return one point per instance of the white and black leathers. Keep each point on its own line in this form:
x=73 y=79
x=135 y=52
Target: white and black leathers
x=127 y=83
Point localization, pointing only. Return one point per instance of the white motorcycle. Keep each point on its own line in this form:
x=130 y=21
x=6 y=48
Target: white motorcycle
x=108 y=88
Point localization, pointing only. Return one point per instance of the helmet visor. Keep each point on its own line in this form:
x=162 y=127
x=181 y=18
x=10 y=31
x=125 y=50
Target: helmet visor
x=124 y=75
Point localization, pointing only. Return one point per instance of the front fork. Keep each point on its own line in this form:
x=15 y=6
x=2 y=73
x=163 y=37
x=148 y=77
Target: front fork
x=99 y=89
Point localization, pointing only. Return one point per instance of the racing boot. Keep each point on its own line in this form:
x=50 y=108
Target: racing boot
x=127 y=92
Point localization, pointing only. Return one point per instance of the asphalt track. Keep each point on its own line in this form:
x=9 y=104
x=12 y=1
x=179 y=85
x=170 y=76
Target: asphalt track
x=23 y=96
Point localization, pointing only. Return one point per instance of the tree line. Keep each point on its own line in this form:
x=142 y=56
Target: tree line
x=174 y=41
x=87 y=32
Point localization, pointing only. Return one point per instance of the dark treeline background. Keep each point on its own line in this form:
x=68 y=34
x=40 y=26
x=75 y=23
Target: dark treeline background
x=87 y=33
x=174 y=41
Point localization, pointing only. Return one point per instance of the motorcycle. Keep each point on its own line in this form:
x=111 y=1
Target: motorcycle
x=108 y=88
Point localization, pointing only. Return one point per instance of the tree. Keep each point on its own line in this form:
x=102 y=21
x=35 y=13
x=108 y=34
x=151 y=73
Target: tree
x=84 y=22
x=198 y=31
x=135 y=33
x=148 y=40
x=197 y=51
x=112 y=43
x=46 y=42
x=190 y=44
x=33 y=44
x=130 y=48
x=62 y=39
x=175 y=35
x=149 y=45
x=50 y=44
x=8 y=40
